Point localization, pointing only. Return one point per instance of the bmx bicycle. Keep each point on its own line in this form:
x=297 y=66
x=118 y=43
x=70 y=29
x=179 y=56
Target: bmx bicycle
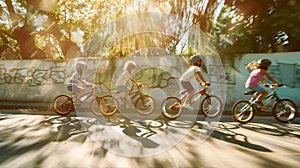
x=63 y=104
x=283 y=110
x=210 y=105
x=143 y=103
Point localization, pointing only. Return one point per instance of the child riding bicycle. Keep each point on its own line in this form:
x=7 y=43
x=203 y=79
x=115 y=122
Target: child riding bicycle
x=193 y=72
x=258 y=71
x=126 y=75
x=75 y=83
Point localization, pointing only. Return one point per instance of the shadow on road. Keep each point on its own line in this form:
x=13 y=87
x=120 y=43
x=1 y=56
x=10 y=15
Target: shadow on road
x=22 y=134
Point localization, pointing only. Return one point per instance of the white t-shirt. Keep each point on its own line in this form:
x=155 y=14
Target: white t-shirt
x=188 y=75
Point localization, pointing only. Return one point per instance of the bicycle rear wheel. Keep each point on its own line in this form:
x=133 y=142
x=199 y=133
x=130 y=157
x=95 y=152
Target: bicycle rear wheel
x=63 y=104
x=145 y=105
x=171 y=107
x=211 y=106
x=284 y=110
x=107 y=105
x=243 y=112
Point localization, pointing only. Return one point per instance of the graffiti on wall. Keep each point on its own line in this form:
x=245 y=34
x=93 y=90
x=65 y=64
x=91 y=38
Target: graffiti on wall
x=32 y=76
x=216 y=76
x=101 y=74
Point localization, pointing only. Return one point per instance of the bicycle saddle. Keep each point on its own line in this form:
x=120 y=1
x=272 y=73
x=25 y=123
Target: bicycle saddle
x=251 y=92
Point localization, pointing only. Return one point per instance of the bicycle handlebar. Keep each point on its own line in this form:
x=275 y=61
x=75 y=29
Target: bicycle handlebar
x=273 y=85
x=207 y=84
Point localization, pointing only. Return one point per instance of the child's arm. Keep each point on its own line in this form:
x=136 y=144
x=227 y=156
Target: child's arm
x=200 y=79
x=86 y=83
x=270 y=77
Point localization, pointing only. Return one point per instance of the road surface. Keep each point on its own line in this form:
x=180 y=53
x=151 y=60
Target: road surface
x=33 y=139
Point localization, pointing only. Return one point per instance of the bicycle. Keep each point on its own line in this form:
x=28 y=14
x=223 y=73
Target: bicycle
x=210 y=105
x=144 y=104
x=63 y=104
x=283 y=110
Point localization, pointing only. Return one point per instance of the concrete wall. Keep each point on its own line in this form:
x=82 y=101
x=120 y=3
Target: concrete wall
x=43 y=80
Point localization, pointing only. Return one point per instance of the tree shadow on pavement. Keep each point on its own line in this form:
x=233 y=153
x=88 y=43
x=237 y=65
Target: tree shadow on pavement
x=289 y=130
x=66 y=127
x=225 y=133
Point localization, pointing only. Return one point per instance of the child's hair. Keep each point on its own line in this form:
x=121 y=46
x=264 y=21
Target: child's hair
x=252 y=65
x=80 y=66
x=264 y=63
x=195 y=58
x=260 y=64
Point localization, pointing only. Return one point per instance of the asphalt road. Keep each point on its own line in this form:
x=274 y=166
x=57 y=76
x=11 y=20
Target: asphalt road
x=35 y=139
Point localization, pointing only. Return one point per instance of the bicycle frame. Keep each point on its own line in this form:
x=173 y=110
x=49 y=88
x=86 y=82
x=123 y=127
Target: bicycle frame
x=267 y=100
x=199 y=94
x=88 y=94
x=136 y=93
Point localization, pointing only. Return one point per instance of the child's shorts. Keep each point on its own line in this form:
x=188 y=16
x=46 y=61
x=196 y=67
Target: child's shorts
x=256 y=88
x=74 y=88
x=187 y=86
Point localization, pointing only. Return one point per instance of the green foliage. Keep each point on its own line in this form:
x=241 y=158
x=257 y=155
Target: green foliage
x=237 y=27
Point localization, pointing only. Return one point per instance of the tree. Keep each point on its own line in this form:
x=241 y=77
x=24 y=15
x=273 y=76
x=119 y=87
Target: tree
x=253 y=25
x=35 y=29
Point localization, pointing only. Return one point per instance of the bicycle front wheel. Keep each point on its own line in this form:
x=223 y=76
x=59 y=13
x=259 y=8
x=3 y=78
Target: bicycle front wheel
x=284 y=110
x=171 y=107
x=107 y=105
x=243 y=112
x=211 y=106
x=63 y=104
x=145 y=105
x=95 y=106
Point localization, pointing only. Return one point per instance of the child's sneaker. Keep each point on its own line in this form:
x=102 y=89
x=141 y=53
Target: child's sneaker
x=188 y=106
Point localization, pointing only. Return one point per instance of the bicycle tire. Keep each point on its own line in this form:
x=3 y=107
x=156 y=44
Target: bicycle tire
x=243 y=112
x=107 y=105
x=63 y=104
x=171 y=112
x=95 y=106
x=211 y=106
x=145 y=105
x=284 y=110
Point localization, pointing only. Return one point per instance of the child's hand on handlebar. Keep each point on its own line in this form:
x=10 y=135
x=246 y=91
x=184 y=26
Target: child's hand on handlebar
x=205 y=84
x=139 y=84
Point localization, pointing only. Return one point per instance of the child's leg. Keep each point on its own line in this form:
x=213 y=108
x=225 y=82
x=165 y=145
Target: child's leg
x=189 y=88
x=189 y=97
x=80 y=93
x=263 y=94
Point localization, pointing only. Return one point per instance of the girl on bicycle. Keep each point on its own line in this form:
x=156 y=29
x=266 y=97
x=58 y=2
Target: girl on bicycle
x=258 y=71
x=193 y=72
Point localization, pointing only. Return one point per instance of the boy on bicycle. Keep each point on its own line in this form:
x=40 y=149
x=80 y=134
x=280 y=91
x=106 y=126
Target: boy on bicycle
x=126 y=75
x=193 y=72
x=74 y=84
